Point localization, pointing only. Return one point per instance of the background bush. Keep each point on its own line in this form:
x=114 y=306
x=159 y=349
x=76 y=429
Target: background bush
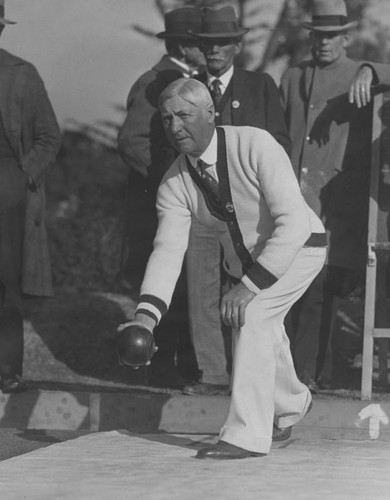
x=86 y=198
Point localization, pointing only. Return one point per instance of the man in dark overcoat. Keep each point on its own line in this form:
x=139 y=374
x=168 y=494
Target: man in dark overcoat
x=244 y=98
x=29 y=142
x=329 y=120
x=144 y=147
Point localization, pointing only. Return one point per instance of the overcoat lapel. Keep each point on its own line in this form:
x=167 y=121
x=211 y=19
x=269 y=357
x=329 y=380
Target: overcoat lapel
x=238 y=97
x=307 y=82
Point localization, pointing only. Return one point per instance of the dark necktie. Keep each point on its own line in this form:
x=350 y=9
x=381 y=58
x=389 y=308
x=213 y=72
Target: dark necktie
x=209 y=183
x=215 y=91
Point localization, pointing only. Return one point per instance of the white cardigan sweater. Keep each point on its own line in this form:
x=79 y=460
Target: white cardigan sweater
x=272 y=215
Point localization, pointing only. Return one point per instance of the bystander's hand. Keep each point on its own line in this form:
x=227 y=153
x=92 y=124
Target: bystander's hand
x=360 y=89
x=233 y=305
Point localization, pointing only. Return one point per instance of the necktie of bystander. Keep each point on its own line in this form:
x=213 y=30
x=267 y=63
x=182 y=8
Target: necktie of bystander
x=215 y=91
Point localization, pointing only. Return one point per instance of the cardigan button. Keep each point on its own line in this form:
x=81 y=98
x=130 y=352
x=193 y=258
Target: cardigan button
x=229 y=207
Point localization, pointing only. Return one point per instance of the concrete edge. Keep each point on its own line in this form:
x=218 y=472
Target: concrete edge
x=150 y=412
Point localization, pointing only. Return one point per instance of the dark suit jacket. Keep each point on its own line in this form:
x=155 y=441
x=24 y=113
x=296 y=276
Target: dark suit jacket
x=331 y=152
x=142 y=143
x=255 y=102
x=34 y=136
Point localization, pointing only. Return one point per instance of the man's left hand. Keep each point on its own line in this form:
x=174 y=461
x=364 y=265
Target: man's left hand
x=233 y=305
x=360 y=89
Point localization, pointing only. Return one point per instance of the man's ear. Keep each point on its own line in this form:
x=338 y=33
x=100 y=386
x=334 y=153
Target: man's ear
x=181 y=49
x=237 y=48
x=210 y=113
x=346 y=39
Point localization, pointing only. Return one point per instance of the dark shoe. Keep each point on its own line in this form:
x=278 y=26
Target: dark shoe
x=282 y=434
x=324 y=384
x=166 y=377
x=13 y=384
x=309 y=381
x=225 y=451
x=203 y=389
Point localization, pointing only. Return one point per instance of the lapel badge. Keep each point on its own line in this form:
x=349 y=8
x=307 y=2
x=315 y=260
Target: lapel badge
x=229 y=207
x=235 y=104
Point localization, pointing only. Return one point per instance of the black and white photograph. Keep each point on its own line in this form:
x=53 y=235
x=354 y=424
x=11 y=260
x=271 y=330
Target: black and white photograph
x=194 y=249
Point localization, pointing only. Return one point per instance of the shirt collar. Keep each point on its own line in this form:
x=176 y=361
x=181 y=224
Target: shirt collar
x=209 y=156
x=187 y=71
x=224 y=79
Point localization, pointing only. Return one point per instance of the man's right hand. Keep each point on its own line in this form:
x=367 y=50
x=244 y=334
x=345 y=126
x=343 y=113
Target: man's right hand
x=135 y=344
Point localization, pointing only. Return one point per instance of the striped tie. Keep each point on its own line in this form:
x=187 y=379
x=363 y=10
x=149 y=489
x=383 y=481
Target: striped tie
x=209 y=183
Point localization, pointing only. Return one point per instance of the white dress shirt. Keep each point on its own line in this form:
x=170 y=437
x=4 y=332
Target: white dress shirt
x=224 y=79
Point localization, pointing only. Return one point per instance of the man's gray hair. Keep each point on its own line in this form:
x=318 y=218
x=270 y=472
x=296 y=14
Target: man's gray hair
x=188 y=89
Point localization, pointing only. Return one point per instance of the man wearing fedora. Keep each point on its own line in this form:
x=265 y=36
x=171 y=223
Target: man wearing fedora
x=327 y=106
x=29 y=142
x=145 y=149
x=240 y=98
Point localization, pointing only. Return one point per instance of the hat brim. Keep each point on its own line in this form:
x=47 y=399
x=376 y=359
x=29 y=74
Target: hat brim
x=231 y=34
x=6 y=21
x=344 y=27
x=180 y=35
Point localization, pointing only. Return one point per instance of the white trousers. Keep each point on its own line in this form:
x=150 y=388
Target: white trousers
x=265 y=386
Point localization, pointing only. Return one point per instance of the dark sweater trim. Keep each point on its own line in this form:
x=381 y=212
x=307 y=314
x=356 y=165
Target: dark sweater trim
x=155 y=301
x=317 y=240
x=228 y=206
x=147 y=313
x=260 y=276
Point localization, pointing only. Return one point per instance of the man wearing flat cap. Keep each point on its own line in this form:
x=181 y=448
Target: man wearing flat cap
x=145 y=149
x=327 y=102
x=240 y=98
x=29 y=142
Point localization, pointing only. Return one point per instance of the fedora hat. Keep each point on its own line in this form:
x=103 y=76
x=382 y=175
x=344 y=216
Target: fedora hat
x=2 y=18
x=179 y=22
x=220 y=23
x=329 y=15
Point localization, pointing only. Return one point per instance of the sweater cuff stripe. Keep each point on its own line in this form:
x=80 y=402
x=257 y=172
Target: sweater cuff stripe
x=154 y=301
x=145 y=306
x=148 y=313
x=260 y=276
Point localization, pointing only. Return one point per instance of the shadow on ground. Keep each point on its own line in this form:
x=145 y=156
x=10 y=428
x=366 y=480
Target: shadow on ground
x=70 y=338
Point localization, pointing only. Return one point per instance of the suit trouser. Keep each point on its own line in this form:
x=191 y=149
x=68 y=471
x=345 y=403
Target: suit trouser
x=265 y=386
x=212 y=342
x=13 y=190
x=171 y=335
x=304 y=324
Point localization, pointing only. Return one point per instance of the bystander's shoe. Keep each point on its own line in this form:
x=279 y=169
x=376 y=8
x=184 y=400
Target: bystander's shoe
x=225 y=451
x=204 y=389
x=324 y=384
x=309 y=381
x=168 y=378
x=13 y=384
